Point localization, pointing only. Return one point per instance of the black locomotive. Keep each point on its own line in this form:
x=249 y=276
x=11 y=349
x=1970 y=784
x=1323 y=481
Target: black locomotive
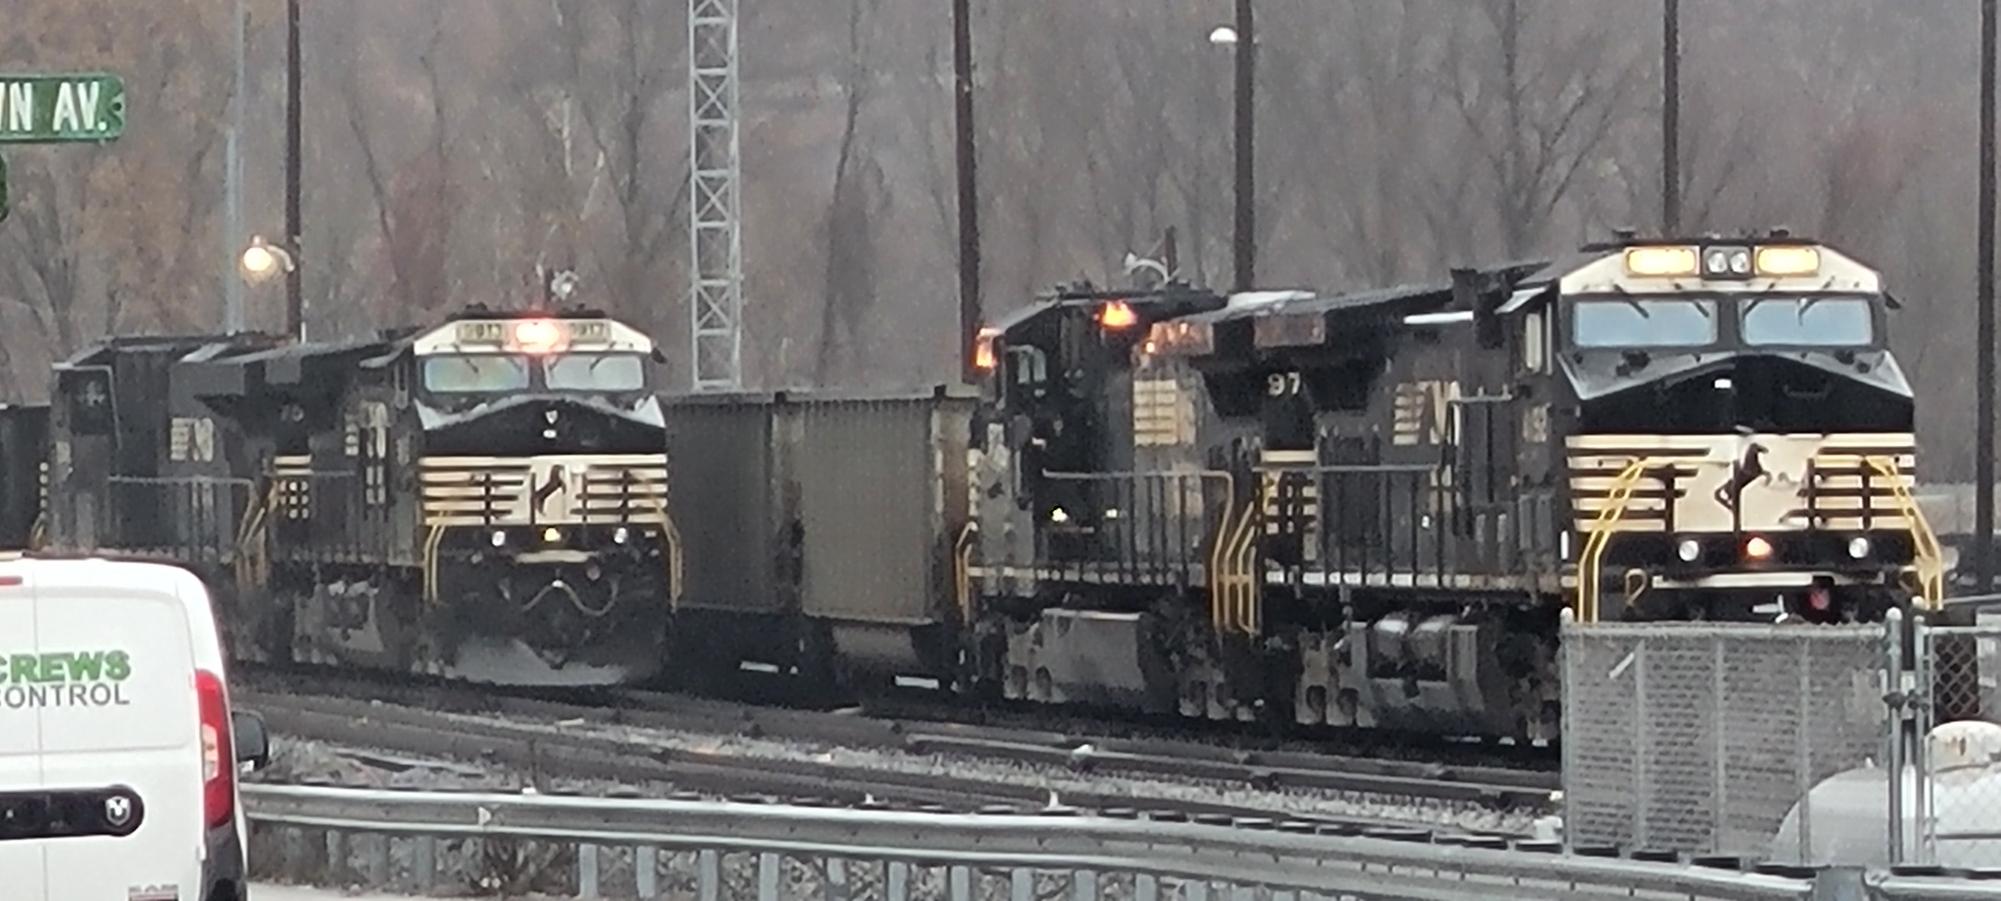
x=485 y=499
x=1369 y=509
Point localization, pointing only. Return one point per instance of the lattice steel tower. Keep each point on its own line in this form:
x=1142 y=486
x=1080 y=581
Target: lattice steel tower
x=715 y=233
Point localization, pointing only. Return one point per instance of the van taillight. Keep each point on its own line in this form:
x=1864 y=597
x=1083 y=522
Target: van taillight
x=218 y=757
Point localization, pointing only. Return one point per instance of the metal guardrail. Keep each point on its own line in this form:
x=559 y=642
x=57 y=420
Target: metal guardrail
x=713 y=850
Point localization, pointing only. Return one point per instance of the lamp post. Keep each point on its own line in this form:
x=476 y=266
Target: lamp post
x=232 y=308
x=295 y=309
x=1983 y=419
x=1671 y=119
x=1245 y=39
x=969 y=196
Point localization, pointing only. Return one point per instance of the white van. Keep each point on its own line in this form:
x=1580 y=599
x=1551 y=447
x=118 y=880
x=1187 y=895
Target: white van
x=119 y=753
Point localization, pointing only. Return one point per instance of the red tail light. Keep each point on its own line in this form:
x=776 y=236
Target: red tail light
x=218 y=752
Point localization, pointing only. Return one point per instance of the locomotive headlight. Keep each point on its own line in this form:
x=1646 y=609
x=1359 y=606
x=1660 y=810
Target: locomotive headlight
x=1688 y=550
x=1757 y=548
x=1660 y=261
x=552 y=535
x=1781 y=261
x=1858 y=547
x=499 y=538
x=621 y=535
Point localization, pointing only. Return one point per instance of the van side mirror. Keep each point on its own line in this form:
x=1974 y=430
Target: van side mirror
x=252 y=739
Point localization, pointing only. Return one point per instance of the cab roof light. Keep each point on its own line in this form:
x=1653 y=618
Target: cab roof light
x=1658 y=262
x=1782 y=261
x=1117 y=315
x=983 y=349
x=538 y=336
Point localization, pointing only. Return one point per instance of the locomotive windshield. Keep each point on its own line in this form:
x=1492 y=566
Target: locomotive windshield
x=1809 y=321
x=497 y=374
x=475 y=374
x=1650 y=322
x=611 y=373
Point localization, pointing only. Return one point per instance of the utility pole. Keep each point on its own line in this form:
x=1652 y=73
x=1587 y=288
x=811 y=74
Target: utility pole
x=1246 y=114
x=232 y=176
x=295 y=302
x=1671 y=119
x=1983 y=420
x=969 y=190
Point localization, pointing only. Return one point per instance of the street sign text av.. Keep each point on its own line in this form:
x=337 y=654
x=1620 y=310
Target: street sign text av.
x=46 y=109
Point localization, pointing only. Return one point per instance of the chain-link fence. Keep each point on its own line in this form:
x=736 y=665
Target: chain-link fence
x=1701 y=738
x=1955 y=776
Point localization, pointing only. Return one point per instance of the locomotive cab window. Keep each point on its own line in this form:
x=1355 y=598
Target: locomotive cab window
x=1643 y=322
x=611 y=373
x=475 y=374
x=1809 y=321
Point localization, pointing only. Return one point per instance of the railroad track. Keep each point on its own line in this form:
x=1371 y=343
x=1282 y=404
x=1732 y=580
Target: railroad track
x=608 y=738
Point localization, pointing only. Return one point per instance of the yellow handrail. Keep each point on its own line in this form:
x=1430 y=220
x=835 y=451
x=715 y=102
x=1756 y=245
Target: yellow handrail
x=962 y=573
x=1601 y=535
x=1924 y=542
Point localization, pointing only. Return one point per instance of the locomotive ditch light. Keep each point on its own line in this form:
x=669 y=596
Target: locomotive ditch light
x=1660 y=261
x=1689 y=550
x=1757 y=548
x=1858 y=547
x=1117 y=316
x=552 y=535
x=1788 y=261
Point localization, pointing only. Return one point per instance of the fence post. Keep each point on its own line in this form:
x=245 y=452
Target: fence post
x=769 y=866
x=1084 y=885
x=1720 y=724
x=1803 y=747
x=1924 y=681
x=709 y=874
x=1641 y=747
x=899 y=881
x=587 y=870
x=1567 y=682
x=1021 y=884
x=646 y=872
x=1893 y=750
x=837 y=879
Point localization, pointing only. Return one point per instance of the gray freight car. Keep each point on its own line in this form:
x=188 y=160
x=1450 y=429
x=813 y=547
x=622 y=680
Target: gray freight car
x=821 y=532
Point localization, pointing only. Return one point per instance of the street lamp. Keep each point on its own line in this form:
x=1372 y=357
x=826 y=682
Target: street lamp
x=262 y=259
x=1243 y=37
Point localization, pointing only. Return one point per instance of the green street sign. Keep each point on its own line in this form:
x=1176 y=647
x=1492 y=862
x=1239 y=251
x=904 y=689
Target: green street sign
x=59 y=109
